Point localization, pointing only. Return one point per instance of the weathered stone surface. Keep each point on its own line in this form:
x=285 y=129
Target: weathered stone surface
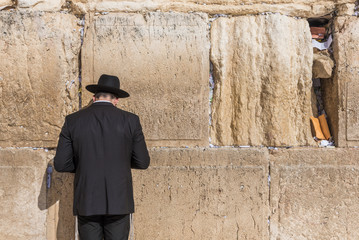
x=40 y=5
x=60 y=220
x=21 y=182
x=322 y=66
x=162 y=60
x=313 y=194
x=341 y=97
x=30 y=210
x=300 y=8
x=346 y=9
x=5 y=3
x=38 y=80
x=203 y=194
x=262 y=71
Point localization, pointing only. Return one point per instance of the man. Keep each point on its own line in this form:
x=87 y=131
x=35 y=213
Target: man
x=100 y=144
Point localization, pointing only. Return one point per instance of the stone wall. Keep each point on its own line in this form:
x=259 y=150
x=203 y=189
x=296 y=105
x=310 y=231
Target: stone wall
x=224 y=92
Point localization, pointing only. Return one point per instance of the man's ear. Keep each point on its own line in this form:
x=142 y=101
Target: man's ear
x=93 y=98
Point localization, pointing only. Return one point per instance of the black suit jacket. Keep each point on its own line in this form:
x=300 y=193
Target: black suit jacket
x=101 y=144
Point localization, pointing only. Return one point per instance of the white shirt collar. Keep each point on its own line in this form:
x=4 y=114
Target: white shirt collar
x=102 y=101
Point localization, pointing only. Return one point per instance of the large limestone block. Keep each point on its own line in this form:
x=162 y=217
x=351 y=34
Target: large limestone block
x=202 y=194
x=346 y=80
x=341 y=101
x=301 y=8
x=322 y=66
x=60 y=220
x=38 y=76
x=5 y=4
x=22 y=194
x=262 y=73
x=40 y=5
x=28 y=209
x=314 y=194
x=162 y=60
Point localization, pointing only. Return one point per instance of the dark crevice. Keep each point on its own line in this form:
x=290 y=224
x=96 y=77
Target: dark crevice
x=322 y=32
x=269 y=199
x=82 y=30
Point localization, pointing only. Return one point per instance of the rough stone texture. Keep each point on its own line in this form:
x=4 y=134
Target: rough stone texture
x=346 y=9
x=21 y=194
x=262 y=73
x=60 y=220
x=341 y=97
x=5 y=3
x=322 y=66
x=202 y=194
x=300 y=8
x=40 y=5
x=314 y=194
x=162 y=60
x=38 y=80
x=28 y=209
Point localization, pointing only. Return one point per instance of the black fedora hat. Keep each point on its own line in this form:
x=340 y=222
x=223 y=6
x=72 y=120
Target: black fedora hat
x=108 y=83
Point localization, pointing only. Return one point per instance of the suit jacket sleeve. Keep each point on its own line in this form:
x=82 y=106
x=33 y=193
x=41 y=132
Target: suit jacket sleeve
x=140 y=158
x=64 y=158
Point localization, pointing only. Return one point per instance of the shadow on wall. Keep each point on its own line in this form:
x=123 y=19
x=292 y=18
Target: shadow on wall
x=59 y=200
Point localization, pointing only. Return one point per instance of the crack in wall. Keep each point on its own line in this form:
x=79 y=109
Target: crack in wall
x=269 y=198
x=82 y=31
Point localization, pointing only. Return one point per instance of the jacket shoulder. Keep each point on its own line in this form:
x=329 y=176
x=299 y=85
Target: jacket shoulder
x=128 y=114
x=90 y=110
x=77 y=114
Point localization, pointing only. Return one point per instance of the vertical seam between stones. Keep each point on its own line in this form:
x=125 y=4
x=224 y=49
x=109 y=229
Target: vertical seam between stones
x=211 y=84
x=82 y=30
x=269 y=198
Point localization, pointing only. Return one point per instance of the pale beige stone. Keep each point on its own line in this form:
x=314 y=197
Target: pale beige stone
x=322 y=66
x=30 y=210
x=346 y=9
x=313 y=194
x=22 y=194
x=5 y=4
x=262 y=71
x=39 y=79
x=162 y=60
x=299 y=8
x=60 y=220
x=353 y=112
x=40 y=5
x=341 y=94
x=202 y=194
x=78 y=8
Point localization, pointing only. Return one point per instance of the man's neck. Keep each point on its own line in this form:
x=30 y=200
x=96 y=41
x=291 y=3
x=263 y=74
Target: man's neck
x=109 y=100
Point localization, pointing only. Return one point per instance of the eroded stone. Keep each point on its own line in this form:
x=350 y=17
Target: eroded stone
x=40 y=5
x=346 y=9
x=202 y=194
x=162 y=61
x=341 y=97
x=322 y=66
x=39 y=79
x=313 y=194
x=5 y=3
x=262 y=71
x=60 y=220
x=22 y=194
x=30 y=210
x=296 y=8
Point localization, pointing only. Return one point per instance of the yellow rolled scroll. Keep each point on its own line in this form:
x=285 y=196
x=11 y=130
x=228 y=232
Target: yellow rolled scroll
x=318 y=131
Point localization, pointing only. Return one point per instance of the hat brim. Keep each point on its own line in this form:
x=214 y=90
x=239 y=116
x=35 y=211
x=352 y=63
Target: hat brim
x=94 y=88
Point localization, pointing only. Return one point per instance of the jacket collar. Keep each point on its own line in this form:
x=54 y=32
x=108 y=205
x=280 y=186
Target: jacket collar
x=102 y=103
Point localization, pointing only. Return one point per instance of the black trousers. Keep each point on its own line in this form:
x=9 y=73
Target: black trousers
x=107 y=227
